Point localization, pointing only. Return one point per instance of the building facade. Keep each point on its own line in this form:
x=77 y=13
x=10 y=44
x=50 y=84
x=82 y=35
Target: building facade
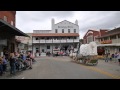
x=8 y=31
x=91 y=35
x=110 y=41
x=8 y=16
x=63 y=35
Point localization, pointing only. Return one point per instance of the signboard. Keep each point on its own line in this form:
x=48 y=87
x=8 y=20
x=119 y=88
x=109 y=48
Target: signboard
x=3 y=42
x=65 y=26
x=106 y=42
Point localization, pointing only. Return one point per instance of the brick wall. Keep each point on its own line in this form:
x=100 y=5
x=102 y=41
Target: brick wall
x=11 y=16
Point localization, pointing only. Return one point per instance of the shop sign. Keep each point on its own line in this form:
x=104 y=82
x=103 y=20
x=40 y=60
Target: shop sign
x=106 y=42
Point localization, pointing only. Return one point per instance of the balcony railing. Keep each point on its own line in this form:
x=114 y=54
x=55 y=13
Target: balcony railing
x=115 y=40
x=76 y=40
x=48 y=41
x=63 y=41
x=42 y=41
x=69 y=40
x=56 y=41
x=35 y=41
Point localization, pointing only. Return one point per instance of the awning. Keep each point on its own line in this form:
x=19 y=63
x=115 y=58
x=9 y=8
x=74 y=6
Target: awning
x=6 y=28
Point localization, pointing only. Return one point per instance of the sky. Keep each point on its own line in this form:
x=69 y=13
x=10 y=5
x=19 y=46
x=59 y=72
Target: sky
x=27 y=21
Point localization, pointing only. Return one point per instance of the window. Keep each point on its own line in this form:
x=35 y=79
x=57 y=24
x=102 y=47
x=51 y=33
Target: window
x=47 y=38
x=68 y=30
x=75 y=37
x=112 y=37
x=11 y=22
x=48 y=47
x=62 y=30
x=74 y=30
x=118 y=35
x=37 y=50
x=5 y=18
x=37 y=38
x=56 y=31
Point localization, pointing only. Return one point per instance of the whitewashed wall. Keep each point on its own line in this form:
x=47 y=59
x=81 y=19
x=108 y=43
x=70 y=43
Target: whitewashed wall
x=65 y=25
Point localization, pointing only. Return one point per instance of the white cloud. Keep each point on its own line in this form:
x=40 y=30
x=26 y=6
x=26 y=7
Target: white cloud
x=27 y=21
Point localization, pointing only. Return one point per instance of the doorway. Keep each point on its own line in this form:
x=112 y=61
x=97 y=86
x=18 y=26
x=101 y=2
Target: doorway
x=43 y=50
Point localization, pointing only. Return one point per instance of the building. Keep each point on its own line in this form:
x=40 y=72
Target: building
x=91 y=35
x=110 y=41
x=8 y=31
x=63 y=35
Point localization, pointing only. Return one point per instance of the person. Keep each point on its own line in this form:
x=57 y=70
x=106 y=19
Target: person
x=12 y=64
x=106 y=57
x=6 y=55
x=115 y=57
x=29 y=60
x=4 y=64
x=118 y=58
x=1 y=66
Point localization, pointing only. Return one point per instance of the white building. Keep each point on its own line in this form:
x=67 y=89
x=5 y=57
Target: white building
x=64 y=35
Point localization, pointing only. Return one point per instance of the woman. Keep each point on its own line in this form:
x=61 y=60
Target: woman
x=12 y=64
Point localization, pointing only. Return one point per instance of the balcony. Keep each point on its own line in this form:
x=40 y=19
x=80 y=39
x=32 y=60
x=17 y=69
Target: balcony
x=35 y=41
x=76 y=40
x=42 y=41
x=63 y=41
x=115 y=40
x=56 y=41
x=69 y=40
x=48 y=41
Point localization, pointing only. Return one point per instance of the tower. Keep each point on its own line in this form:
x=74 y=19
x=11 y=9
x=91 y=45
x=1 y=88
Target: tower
x=53 y=22
x=76 y=22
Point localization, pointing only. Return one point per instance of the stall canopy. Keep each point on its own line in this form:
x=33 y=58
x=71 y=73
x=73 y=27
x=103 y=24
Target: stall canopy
x=8 y=29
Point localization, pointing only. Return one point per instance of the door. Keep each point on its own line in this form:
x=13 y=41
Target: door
x=42 y=50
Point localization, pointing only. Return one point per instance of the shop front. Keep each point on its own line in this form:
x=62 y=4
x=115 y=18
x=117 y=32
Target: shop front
x=7 y=37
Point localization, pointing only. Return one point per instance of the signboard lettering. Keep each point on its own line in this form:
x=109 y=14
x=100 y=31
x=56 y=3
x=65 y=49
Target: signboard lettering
x=65 y=26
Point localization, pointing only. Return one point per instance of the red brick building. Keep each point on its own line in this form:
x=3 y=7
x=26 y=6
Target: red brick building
x=8 y=16
x=91 y=35
x=8 y=31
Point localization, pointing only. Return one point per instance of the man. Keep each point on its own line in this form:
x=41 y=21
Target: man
x=29 y=60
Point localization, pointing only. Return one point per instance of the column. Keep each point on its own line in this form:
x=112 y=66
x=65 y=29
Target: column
x=52 y=45
x=39 y=46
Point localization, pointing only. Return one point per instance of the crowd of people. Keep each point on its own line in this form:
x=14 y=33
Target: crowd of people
x=113 y=57
x=17 y=62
